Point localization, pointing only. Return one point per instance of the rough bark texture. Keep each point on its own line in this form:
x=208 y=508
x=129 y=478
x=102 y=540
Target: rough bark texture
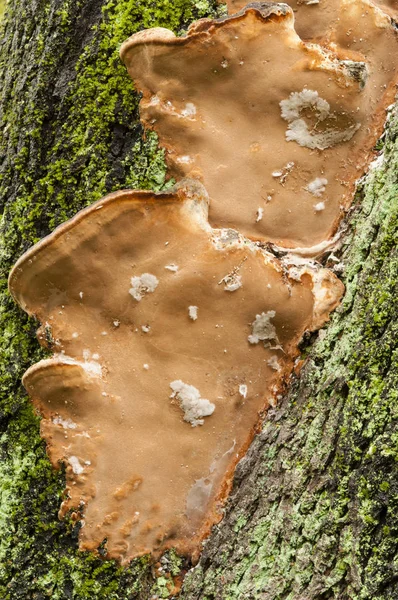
x=314 y=510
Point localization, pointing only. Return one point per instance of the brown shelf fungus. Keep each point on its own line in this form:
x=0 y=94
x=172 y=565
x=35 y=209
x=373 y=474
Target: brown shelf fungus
x=149 y=404
x=172 y=337
x=315 y=20
x=258 y=115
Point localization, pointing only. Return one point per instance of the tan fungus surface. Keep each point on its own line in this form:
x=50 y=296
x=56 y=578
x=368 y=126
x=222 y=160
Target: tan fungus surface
x=146 y=477
x=315 y=19
x=214 y=97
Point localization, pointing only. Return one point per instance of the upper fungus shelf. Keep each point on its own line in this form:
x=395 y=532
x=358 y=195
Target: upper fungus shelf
x=244 y=105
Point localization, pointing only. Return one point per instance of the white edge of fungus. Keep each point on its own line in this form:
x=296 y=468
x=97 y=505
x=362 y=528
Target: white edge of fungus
x=310 y=251
x=91 y=367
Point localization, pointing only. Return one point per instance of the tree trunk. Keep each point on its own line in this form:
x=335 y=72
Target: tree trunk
x=314 y=509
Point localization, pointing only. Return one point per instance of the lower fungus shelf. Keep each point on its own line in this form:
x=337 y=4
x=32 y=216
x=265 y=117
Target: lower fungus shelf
x=151 y=408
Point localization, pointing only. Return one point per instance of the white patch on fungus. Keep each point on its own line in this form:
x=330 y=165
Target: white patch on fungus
x=193 y=312
x=273 y=362
x=184 y=160
x=146 y=328
x=75 y=464
x=263 y=329
x=291 y=107
x=194 y=407
x=232 y=282
x=243 y=390
x=66 y=423
x=317 y=187
x=259 y=215
x=143 y=284
x=319 y=206
x=172 y=267
x=298 y=130
x=145 y=366
x=189 y=110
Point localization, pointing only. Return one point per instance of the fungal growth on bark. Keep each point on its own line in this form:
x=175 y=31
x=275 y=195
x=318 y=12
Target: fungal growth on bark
x=173 y=324
x=244 y=99
x=318 y=19
x=143 y=398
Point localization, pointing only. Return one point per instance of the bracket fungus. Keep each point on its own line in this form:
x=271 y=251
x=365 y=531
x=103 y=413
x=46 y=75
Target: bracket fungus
x=239 y=99
x=173 y=328
x=151 y=423
x=317 y=19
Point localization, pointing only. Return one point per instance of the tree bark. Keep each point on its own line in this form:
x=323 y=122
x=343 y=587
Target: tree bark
x=313 y=511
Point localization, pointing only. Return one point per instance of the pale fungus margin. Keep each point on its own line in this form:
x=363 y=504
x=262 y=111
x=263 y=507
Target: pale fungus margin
x=159 y=378
x=140 y=415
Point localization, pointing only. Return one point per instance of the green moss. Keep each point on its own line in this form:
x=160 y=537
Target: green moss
x=69 y=116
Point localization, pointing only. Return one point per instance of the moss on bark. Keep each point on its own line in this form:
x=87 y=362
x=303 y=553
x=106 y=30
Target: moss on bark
x=313 y=514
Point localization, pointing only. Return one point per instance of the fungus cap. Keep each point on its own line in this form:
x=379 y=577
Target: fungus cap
x=141 y=402
x=216 y=99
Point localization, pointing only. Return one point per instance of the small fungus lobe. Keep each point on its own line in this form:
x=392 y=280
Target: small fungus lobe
x=319 y=108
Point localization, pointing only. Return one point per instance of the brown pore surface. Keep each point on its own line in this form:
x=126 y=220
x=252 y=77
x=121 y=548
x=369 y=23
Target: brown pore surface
x=214 y=98
x=144 y=478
